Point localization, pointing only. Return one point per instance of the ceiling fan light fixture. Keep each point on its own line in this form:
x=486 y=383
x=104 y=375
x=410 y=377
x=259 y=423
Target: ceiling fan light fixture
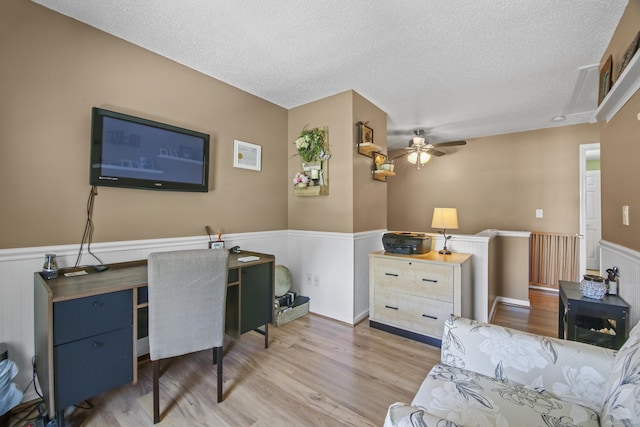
x=413 y=157
x=418 y=140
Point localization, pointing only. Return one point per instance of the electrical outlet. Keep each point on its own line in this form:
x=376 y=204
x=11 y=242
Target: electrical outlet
x=316 y=280
x=308 y=279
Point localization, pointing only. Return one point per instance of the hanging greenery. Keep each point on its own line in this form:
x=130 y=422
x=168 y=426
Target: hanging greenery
x=313 y=145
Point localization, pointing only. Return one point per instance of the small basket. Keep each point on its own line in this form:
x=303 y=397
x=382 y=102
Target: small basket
x=593 y=286
x=299 y=308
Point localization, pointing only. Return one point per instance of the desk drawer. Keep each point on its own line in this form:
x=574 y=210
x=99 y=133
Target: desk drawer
x=84 y=317
x=88 y=367
x=422 y=315
x=413 y=278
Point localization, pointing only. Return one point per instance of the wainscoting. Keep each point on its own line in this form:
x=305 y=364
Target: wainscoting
x=628 y=261
x=338 y=264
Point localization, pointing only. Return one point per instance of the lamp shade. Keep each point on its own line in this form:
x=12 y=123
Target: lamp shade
x=446 y=218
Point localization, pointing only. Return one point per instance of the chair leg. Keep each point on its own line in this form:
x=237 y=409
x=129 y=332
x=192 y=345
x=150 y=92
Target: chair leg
x=155 y=364
x=219 y=355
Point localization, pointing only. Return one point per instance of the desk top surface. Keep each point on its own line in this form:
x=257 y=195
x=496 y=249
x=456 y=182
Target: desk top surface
x=431 y=256
x=119 y=276
x=571 y=291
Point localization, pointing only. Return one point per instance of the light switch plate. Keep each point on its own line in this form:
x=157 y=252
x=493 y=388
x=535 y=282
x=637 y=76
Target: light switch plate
x=539 y=213
x=625 y=215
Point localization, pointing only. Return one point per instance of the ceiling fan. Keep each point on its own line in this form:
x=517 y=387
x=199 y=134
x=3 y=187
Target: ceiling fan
x=420 y=151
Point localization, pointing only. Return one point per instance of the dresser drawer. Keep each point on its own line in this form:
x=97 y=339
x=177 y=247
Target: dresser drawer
x=415 y=278
x=84 y=317
x=88 y=367
x=423 y=315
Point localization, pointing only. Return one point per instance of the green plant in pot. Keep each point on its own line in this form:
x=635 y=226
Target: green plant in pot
x=313 y=145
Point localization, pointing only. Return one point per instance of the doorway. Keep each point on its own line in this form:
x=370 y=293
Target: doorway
x=590 y=224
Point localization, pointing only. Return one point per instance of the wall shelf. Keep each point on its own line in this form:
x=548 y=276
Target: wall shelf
x=368 y=148
x=623 y=89
x=381 y=175
x=316 y=190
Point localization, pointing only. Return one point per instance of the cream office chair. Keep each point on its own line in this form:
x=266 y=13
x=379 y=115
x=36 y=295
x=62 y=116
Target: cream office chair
x=187 y=292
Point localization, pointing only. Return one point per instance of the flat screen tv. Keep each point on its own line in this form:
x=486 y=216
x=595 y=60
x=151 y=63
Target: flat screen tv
x=133 y=152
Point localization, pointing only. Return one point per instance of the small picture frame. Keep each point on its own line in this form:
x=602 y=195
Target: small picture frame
x=629 y=53
x=247 y=155
x=216 y=245
x=365 y=134
x=605 y=79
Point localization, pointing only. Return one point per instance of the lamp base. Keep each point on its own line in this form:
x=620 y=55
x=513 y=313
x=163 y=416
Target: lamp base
x=444 y=251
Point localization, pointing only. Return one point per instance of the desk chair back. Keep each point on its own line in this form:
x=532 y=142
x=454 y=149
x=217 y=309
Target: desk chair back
x=187 y=293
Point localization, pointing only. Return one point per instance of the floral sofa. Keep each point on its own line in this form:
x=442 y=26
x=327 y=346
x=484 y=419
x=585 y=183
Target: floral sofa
x=495 y=376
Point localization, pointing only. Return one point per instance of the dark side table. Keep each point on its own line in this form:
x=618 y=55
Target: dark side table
x=581 y=318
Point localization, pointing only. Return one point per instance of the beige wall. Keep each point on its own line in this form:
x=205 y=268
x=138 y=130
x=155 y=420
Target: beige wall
x=620 y=149
x=335 y=211
x=497 y=182
x=369 y=195
x=54 y=70
x=355 y=202
x=512 y=270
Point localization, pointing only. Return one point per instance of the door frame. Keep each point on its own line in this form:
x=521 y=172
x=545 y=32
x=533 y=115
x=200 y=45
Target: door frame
x=586 y=151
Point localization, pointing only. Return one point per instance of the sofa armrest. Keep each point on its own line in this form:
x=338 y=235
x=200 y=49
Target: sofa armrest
x=403 y=415
x=571 y=370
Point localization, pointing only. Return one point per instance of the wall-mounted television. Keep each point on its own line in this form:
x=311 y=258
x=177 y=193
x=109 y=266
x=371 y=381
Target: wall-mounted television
x=133 y=152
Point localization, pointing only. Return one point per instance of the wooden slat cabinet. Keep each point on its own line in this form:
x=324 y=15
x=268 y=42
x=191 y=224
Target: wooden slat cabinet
x=412 y=295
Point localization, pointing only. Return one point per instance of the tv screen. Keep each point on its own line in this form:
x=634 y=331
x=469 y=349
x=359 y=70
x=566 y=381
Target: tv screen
x=133 y=152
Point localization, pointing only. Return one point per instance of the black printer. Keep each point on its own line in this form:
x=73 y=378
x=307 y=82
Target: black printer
x=407 y=243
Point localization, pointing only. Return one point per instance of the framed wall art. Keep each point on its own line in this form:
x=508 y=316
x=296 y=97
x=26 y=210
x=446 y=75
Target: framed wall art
x=605 y=79
x=628 y=54
x=247 y=155
x=365 y=134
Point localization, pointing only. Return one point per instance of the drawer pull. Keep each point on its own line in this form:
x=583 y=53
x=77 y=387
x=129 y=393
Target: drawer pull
x=391 y=274
x=430 y=280
x=97 y=344
x=392 y=308
x=96 y=304
x=430 y=317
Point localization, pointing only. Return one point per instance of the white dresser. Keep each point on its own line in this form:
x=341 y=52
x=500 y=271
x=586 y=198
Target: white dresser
x=412 y=295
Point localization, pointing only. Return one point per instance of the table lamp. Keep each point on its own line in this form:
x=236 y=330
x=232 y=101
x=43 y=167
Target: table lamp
x=445 y=218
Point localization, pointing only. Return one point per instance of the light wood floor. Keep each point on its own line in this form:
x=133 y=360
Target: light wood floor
x=316 y=372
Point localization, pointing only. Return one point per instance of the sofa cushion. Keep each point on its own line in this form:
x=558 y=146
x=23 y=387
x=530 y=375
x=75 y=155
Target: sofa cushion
x=622 y=406
x=469 y=399
x=572 y=371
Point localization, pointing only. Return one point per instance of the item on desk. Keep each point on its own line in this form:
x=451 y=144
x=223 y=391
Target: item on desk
x=248 y=258
x=235 y=249
x=217 y=244
x=208 y=230
x=613 y=273
x=75 y=273
x=50 y=267
x=406 y=243
x=593 y=286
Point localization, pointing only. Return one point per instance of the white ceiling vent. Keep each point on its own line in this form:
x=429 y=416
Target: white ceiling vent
x=585 y=93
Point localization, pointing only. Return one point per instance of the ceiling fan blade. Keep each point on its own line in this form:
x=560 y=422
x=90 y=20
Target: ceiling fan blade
x=399 y=155
x=435 y=152
x=449 y=144
x=395 y=132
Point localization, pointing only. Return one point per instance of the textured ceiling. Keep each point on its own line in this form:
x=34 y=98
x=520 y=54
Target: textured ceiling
x=459 y=69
